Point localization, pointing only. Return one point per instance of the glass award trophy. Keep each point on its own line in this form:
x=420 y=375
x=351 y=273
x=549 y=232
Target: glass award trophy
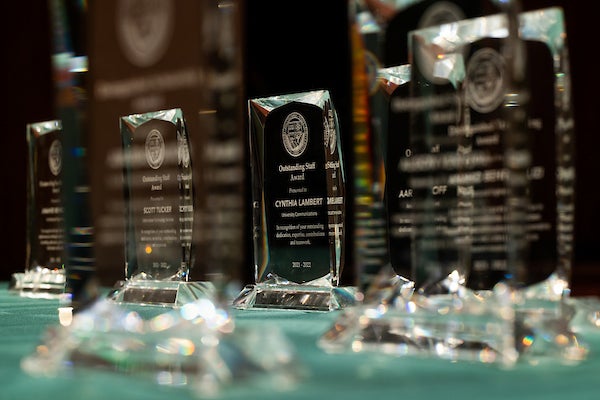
x=44 y=274
x=195 y=345
x=159 y=211
x=298 y=204
x=383 y=28
x=484 y=186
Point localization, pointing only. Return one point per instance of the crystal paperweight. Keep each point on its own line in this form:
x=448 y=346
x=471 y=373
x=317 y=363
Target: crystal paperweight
x=159 y=211
x=481 y=193
x=298 y=200
x=196 y=347
x=44 y=274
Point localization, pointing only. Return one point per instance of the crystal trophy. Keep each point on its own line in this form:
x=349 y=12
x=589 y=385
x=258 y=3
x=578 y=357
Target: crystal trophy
x=44 y=274
x=381 y=256
x=485 y=180
x=298 y=204
x=159 y=211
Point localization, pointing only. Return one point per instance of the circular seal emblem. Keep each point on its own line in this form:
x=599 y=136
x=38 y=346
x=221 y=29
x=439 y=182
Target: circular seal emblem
x=294 y=134
x=155 y=149
x=484 y=82
x=441 y=12
x=144 y=29
x=55 y=157
x=183 y=150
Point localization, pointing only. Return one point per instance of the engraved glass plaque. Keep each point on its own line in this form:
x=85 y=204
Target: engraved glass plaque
x=487 y=148
x=383 y=268
x=159 y=210
x=485 y=181
x=44 y=274
x=298 y=203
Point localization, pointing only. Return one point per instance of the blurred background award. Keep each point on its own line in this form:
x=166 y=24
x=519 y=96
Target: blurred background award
x=298 y=204
x=159 y=210
x=379 y=33
x=487 y=176
x=44 y=274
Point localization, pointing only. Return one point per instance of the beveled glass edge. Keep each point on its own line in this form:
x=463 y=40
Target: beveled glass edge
x=268 y=104
x=135 y=120
x=391 y=78
x=545 y=25
x=37 y=129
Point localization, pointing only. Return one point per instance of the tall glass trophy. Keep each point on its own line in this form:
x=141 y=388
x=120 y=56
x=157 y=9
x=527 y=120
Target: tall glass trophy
x=381 y=255
x=159 y=211
x=44 y=274
x=484 y=186
x=298 y=204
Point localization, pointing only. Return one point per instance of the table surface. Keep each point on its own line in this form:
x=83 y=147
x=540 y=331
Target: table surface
x=335 y=376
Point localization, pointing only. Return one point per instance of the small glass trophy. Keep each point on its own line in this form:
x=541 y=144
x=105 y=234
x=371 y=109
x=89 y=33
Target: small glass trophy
x=159 y=211
x=483 y=187
x=298 y=204
x=44 y=274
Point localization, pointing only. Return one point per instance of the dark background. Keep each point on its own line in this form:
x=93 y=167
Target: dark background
x=313 y=33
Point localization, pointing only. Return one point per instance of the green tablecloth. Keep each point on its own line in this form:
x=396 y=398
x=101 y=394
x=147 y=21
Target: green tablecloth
x=334 y=376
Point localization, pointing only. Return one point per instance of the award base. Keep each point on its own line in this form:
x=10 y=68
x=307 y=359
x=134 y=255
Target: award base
x=292 y=296
x=42 y=283
x=197 y=347
x=161 y=293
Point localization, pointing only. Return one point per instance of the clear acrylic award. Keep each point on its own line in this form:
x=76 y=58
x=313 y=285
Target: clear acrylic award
x=159 y=211
x=298 y=204
x=44 y=274
x=482 y=187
